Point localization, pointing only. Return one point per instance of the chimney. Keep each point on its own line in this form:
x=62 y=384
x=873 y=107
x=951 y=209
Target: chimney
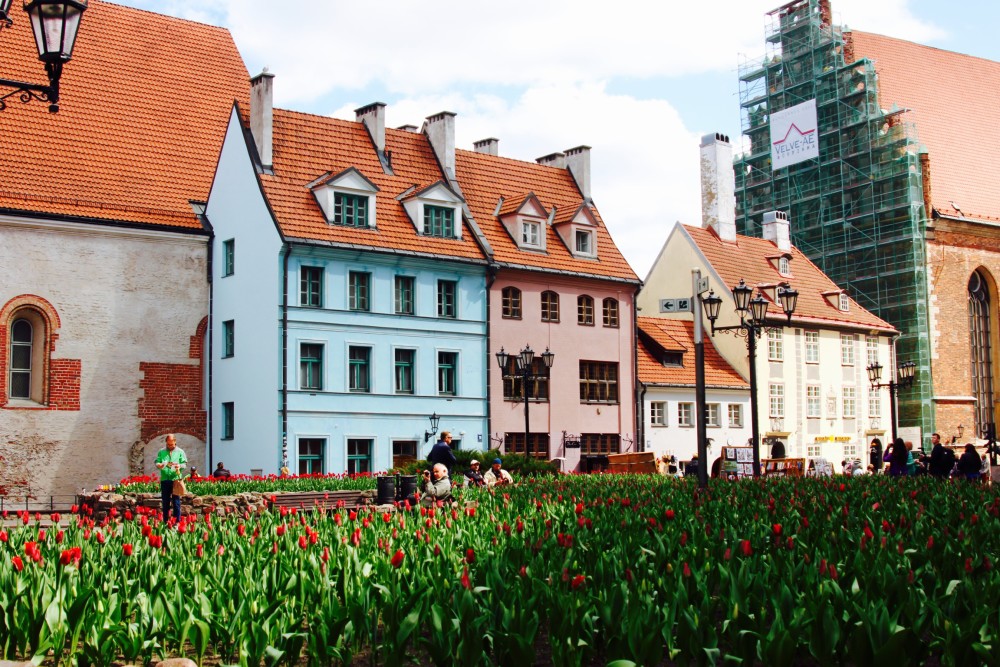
x=407 y=128
x=488 y=146
x=718 y=186
x=776 y=229
x=262 y=116
x=557 y=160
x=440 y=131
x=578 y=163
x=373 y=116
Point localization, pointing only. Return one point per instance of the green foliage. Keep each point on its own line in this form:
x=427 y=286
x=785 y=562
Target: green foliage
x=518 y=465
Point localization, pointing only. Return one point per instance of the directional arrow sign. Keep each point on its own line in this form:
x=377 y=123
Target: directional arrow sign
x=702 y=286
x=682 y=305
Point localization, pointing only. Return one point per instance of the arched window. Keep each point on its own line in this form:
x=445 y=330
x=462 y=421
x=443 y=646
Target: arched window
x=980 y=352
x=511 y=303
x=26 y=356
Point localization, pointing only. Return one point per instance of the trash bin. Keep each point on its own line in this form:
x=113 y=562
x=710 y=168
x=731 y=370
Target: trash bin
x=385 y=490
x=407 y=487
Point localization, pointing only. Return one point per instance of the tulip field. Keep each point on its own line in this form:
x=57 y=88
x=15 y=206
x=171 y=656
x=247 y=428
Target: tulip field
x=568 y=570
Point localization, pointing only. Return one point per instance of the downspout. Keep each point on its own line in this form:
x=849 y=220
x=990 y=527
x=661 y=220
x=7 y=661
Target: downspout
x=491 y=276
x=284 y=356
x=636 y=401
x=211 y=329
x=640 y=426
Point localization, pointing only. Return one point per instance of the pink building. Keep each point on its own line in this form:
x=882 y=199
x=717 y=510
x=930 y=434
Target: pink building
x=560 y=284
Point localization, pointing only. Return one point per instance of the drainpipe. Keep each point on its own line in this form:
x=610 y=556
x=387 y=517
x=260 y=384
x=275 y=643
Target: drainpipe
x=637 y=418
x=640 y=426
x=211 y=328
x=284 y=353
x=491 y=276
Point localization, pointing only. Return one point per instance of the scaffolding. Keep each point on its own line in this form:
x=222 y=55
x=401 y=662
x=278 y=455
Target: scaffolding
x=858 y=210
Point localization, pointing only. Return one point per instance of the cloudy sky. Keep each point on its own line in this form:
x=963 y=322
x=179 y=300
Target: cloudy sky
x=638 y=80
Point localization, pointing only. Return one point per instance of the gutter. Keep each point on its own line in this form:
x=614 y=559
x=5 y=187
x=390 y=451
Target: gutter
x=284 y=354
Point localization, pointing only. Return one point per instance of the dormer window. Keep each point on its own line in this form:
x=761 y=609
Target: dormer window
x=578 y=230
x=845 y=303
x=435 y=211
x=346 y=199
x=584 y=240
x=783 y=266
x=673 y=358
x=525 y=220
x=531 y=234
x=439 y=221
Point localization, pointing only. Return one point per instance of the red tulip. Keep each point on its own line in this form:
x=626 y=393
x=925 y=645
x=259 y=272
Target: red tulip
x=18 y=563
x=466 y=584
x=66 y=557
x=930 y=542
x=127 y=549
x=776 y=529
x=3 y=535
x=470 y=556
x=397 y=559
x=687 y=570
x=670 y=515
x=578 y=581
x=745 y=548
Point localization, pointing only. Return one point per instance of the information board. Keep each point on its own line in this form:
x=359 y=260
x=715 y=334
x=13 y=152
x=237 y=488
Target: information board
x=737 y=462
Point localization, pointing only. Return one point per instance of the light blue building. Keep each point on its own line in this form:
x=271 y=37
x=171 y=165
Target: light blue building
x=349 y=295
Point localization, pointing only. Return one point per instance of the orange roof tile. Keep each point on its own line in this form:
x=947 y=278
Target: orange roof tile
x=678 y=336
x=307 y=146
x=747 y=258
x=954 y=100
x=144 y=107
x=485 y=178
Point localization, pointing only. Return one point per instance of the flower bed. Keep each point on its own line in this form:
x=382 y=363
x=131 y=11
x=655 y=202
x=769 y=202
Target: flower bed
x=572 y=570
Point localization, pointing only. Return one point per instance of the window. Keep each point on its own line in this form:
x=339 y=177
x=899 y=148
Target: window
x=311 y=366
x=311 y=286
x=228 y=421
x=850 y=409
x=783 y=267
x=513 y=382
x=404 y=371
x=448 y=373
x=712 y=415
x=812 y=347
x=600 y=443
x=850 y=451
x=511 y=303
x=584 y=242
x=874 y=406
x=312 y=456
x=814 y=403
x=610 y=312
x=598 y=382
x=658 y=413
x=735 y=415
x=228 y=338
x=359 y=456
x=812 y=451
x=513 y=443
x=403 y=452
x=21 y=348
x=531 y=234
x=685 y=414
x=550 y=306
x=350 y=210
x=777 y=396
x=981 y=353
x=872 y=345
x=585 y=310
x=673 y=359
x=446 y=299
x=359 y=291
x=847 y=349
x=775 y=344
x=403 y=295
x=28 y=371
x=845 y=303
x=228 y=257
x=439 y=221
x=359 y=363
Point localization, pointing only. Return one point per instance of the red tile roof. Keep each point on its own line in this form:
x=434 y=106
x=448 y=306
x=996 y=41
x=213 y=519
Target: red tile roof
x=144 y=107
x=307 y=146
x=954 y=100
x=747 y=258
x=485 y=178
x=678 y=336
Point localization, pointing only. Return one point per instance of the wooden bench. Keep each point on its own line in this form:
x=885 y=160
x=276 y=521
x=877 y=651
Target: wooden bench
x=311 y=500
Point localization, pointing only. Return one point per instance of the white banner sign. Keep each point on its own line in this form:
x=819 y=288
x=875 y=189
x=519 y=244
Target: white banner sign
x=793 y=135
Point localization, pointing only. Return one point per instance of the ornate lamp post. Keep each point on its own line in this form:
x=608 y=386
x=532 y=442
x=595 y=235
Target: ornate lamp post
x=435 y=420
x=524 y=367
x=753 y=315
x=905 y=373
x=54 y=24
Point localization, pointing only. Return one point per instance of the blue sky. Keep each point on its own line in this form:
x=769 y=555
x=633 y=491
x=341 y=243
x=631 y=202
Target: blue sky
x=638 y=80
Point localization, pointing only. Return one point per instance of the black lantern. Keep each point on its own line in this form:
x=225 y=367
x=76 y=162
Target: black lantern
x=503 y=358
x=435 y=420
x=5 y=19
x=548 y=357
x=758 y=310
x=711 y=304
x=874 y=374
x=789 y=298
x=741 y=295
x=525 y=359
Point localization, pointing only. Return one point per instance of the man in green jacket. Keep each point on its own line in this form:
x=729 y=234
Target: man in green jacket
x=171 y=461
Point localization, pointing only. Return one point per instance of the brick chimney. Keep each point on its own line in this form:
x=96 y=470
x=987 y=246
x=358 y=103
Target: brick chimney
x=440 y=131
x=489 y=146
x=373 y=116
x=578 y=163
x=775 y=227
x=718 y=186
x=262 y=116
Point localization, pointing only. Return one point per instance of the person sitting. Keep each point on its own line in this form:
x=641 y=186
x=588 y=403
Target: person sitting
x=472 y=476
x=970 y=463
x=497 y=475
x=220 y=472
x=437 y=486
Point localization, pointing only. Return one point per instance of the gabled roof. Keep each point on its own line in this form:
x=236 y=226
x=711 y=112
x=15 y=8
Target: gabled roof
x=307 y=146
x=515 y=204
x=747 y=258
x=656 y=333
x=954 y=100
x=144 y=106
x=485 y=178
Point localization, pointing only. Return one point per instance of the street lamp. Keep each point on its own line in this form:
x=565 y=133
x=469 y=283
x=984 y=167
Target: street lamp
x=524 y=367
x=905 y=373
x=54 y=24
x=753 y=316
x=435 y=420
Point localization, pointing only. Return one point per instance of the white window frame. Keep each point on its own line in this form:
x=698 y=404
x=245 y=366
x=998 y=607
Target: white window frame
x=685 y=414
x=872 y=345
x=588 y=234
x=845 y=303
x=713 y=415
x=735 y=415
x=658 y=413
x=531 y=234
x=847 y=342
x=850 y=451
x=776 y=399
x=850 y=400
x=813 y=451
x=812 y=347
x=783 y=266
x=874 y=405
x=814 y=402
x=775 y=344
